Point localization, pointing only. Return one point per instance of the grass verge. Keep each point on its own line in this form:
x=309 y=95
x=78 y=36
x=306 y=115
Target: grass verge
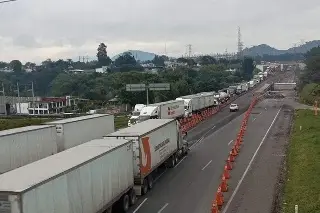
x=121 y=121
x=302 y=185
x=11 y=123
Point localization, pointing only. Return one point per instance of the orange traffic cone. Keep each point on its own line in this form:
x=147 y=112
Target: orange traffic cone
x=226 y=173
x=229 y=166
x=224 y=185
x=234 y=151
x=214 y=207
x=219 y=197
x=231 y=158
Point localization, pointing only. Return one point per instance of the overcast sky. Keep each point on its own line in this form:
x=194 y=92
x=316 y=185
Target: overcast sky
x=33 y=30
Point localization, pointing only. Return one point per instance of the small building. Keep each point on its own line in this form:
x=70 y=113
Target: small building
x=46 y=106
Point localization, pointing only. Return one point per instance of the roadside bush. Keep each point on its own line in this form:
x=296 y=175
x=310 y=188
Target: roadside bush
x=310 y=93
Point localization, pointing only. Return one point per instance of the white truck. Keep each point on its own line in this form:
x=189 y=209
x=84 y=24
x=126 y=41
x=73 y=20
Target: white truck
x=75 y=131
x=135 y=114
x=21 y=146
x=93 y=177
x=156 y=142
x=193 y=103
x=163 y=110
x=209 y=99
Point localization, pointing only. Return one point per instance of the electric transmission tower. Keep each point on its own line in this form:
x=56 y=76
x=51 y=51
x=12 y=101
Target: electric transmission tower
x=189 y=51
x=240 y=44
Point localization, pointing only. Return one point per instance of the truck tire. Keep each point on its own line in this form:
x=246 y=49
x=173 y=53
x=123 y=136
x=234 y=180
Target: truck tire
x=132 y=197
x=125 y=203
x=172 y=161
x=150 y=182
x=144 y=188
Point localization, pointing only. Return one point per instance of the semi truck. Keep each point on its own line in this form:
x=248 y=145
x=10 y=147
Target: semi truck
x=75 y=131
x=156 y=142
x=21 y=146
x=135 y=114
x=93 y=177
x=163 y=110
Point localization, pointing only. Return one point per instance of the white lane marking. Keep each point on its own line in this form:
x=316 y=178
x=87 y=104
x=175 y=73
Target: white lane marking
x=213 y=127
x=249 y=165
x=159 y=175
x=230 y=142
x=180 y=161
x=140 y=205
x=196 y=143
x=163 y=207
x=206 y=165
x=254 y=119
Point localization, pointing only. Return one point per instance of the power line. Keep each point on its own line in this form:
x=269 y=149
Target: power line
x=7 y=1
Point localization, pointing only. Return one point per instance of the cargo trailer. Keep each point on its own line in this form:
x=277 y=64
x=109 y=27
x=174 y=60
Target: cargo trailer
x=75 y=131
x=21 y=146
x=156 y=142
x=192 y=103
x=93 y=177
x=164 y=110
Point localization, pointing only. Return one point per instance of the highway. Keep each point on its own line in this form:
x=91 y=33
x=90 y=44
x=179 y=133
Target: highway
x=191 y=185
x=255 y=177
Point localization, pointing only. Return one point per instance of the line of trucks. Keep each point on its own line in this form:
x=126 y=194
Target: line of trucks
x=82 y=165
x=102 y=175
x=186 y=106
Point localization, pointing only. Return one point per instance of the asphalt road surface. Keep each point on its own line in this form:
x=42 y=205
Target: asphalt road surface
x=254 y=184
x=191 y=185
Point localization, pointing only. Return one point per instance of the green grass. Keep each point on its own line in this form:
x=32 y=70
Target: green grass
x=121 y=121
x=302 y=185
x=10 y=123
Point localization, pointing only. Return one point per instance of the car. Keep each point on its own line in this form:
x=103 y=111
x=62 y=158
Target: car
x=234 y=107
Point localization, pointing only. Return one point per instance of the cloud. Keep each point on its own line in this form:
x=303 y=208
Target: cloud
x=38 y=29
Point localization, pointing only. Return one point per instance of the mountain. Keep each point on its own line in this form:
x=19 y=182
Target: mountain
x=138 y=55
x=264 y=49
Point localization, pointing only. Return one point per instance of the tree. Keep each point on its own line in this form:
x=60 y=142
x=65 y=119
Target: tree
x=247 y=68
x=16 y=66
x=102 y=55
x=3 y=64
x=159 y=60
x=207 y=60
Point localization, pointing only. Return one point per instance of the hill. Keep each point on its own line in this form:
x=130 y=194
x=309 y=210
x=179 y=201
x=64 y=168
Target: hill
x=264 y=49
x=138 y=55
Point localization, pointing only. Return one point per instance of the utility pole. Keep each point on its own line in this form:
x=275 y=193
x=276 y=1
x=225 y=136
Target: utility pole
x=4 y=99
x=19 y=102
x=240 y=44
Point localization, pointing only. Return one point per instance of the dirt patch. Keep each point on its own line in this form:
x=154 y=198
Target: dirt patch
x=283 y=134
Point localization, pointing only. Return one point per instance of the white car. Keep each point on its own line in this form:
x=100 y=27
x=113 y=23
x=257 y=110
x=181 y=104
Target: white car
x=234 y=107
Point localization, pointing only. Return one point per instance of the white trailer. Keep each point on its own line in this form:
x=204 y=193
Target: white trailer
x=21 y=146
x=209 y=99
x=88 y=178
x=163 y=110
x=192 y=103
x=156 y=142
x=75 y=131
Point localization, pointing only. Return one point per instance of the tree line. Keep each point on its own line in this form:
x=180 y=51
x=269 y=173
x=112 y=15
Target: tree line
x=52 y=78
x=309 y=84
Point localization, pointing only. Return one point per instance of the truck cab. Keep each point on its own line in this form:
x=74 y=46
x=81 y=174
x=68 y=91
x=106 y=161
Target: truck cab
x=135 y=114
x=149 y=112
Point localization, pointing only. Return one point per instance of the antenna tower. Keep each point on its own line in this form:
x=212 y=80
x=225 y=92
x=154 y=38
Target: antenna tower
x=240 y=44
x=189 y=51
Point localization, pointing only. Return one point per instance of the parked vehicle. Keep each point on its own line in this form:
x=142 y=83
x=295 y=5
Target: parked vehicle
x=93 y=177
x=163 y=110
x=75 y=131
x=135 y=114
x=156 y=142
x=21 y=146
x=234 y=107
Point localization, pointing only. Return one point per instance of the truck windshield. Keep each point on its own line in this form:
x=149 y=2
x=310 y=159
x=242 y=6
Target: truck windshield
x=186 y=107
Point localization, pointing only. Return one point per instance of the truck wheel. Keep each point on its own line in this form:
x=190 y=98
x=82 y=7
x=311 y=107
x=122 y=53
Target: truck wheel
x=150 y=181
x=144 y=188
x=132 y=197
x=125 y=203
x=176 y=159
x=172 y=162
